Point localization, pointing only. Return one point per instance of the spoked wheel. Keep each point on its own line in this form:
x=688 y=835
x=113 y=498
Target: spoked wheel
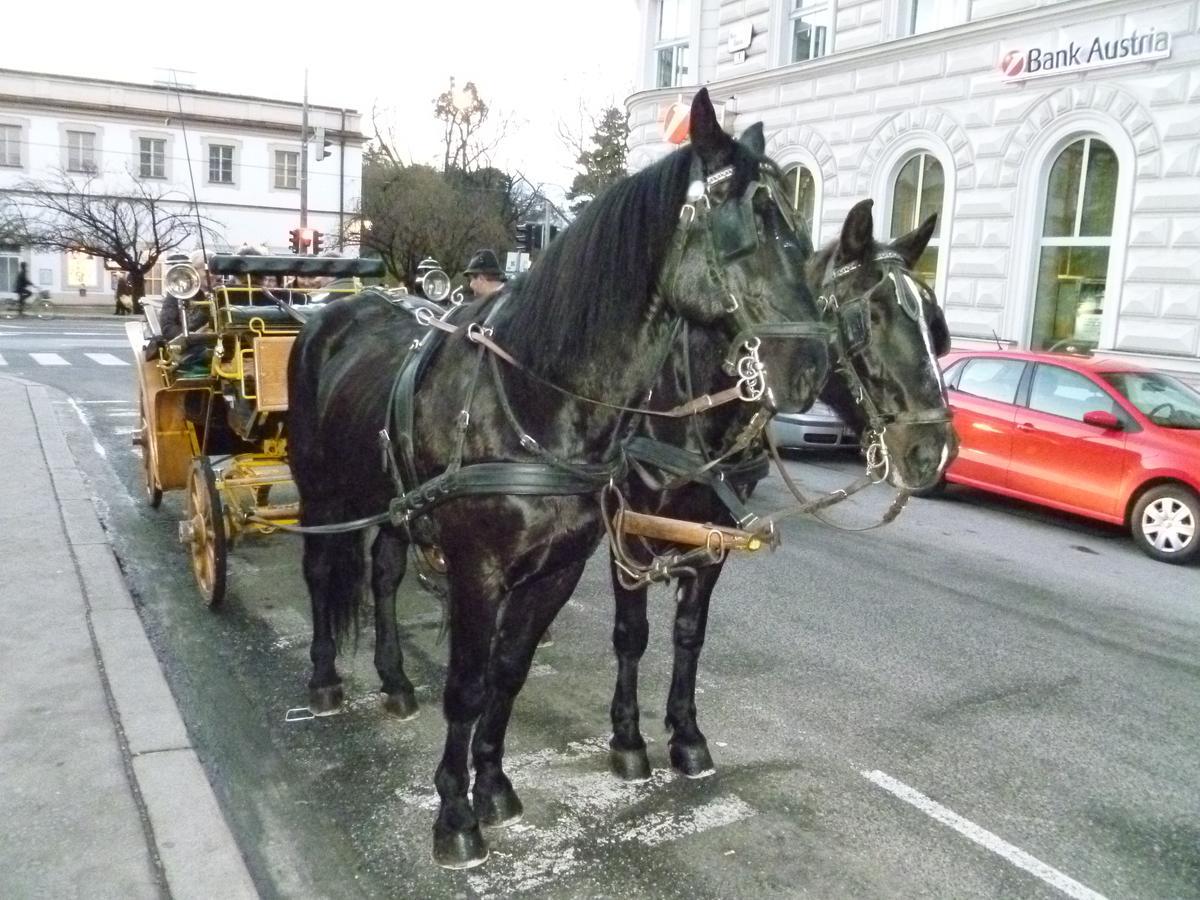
x=204 y=532
x=145 y=439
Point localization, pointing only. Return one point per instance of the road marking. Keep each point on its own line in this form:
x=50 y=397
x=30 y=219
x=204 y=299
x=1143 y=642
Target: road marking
x=106 y=359
x=122 y=402
x=48 y=359
x=2 y=362
x=983 y=837
x=123 y=414
x=125 y=429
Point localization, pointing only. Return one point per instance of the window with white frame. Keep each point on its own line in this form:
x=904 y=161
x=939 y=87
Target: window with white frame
x=671 y=48
x=220 y=164
x=152 y=157
x=808 y=29
x=81 y=151
x=801 y=190
x=1081 y=198
x=154 y=283
x=923 y=16
x=10 y=261
x=287 y=169
x=10 y=145
x=918 y=193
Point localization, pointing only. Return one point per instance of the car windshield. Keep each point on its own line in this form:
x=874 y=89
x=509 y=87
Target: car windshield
x=1164 y=400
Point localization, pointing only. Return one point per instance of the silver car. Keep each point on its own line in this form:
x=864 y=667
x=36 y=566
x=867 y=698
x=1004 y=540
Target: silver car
x=819 y=427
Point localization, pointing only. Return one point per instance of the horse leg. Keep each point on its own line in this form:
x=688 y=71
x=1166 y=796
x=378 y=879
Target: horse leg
x=389 y=558
x=688 y=748
x=627 y=749
x=527 y=611
x=333 y=569
x=457 y=840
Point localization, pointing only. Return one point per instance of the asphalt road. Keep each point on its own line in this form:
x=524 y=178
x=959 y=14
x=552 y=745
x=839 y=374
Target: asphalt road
x=979 y=700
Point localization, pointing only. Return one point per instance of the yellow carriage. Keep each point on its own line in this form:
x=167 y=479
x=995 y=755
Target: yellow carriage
x=212 y=387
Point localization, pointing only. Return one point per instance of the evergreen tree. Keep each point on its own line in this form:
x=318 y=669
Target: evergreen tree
x=603 y=163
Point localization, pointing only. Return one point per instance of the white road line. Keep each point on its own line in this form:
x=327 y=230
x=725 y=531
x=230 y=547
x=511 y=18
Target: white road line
x=2 y=362
x=48 y=359
x=106 y=359
x=122 y=402
x=983 y=837
x=123 y=414
x=125 y=429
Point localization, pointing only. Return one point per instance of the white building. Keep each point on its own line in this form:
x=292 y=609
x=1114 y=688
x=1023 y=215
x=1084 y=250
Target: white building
x=1059 y=141
x=243 y=154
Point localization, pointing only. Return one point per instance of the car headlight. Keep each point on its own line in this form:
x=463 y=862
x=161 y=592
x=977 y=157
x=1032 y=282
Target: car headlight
x=182 y=281
x=435 y=285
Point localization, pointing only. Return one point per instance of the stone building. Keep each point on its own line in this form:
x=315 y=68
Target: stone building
x=1058 y=140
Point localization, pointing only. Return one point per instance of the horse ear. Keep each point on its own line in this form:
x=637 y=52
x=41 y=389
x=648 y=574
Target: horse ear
x=752 y=138
x=858 y=231
x=913 y=244
x=707 y=136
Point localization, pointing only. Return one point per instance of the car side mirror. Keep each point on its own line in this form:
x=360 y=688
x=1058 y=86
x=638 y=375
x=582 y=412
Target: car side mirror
x=1102 y=419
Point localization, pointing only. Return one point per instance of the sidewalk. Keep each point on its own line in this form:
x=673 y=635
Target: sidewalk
x=101 y=792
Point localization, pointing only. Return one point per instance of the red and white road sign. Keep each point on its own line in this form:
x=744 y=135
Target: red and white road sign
x=675 y=122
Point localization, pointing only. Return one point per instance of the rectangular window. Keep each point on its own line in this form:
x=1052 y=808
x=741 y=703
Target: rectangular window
x=9 y=262
x=152 y=157
x=81 y=270
x=220 y=164
x=287 y=169
x=10 y=145
x=154 y=281
x=81 y=151
x=809 y=30
x=671 y=43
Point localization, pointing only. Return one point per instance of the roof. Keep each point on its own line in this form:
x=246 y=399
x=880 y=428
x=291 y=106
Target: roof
x=1068 y=360
x=172 y=89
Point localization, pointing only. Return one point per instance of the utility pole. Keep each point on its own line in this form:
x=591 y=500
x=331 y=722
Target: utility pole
x=545 y=221
x=304 y=157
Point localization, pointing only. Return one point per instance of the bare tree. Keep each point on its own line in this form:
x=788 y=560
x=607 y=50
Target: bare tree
x=130 y=230
x=466 y=145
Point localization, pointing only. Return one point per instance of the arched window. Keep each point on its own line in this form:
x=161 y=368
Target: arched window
x=1081 y=195
x=802 y=193
x=917 y=194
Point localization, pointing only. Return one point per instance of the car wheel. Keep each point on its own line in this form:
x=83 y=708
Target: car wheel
x=1164 y=523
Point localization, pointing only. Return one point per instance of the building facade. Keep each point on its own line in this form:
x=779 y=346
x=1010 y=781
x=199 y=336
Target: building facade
x=240 y=155
x=1058 y=141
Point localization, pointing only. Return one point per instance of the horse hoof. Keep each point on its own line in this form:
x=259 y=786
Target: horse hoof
x=459 y=849
x=692 y=760
x=325 y=701
x=629 y=765
x=403 y=705
x=499 y=810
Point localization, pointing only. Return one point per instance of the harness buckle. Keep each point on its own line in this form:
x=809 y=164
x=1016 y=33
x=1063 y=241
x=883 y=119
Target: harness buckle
x=464 y=419
x=476 y=332
x=530 y=444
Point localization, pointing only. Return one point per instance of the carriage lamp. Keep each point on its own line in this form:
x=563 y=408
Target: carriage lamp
x=432 y=280
x=182 y=281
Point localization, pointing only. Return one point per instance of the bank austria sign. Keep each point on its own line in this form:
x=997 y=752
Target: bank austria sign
x=1092 y=52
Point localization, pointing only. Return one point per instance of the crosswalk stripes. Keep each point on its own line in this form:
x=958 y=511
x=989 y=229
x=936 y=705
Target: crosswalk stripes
x=106 y=359
x=48 y=359
x=57 y=359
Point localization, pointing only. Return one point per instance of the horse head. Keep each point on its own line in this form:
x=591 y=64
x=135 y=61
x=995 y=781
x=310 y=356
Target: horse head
x=889 y=331
x=737 y=263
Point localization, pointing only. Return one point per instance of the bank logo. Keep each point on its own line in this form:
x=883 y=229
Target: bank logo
x=1013 y=63
x=1089 y=53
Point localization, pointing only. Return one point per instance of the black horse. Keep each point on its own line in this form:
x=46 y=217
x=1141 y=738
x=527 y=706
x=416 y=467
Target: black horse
x=697 y=237
x=885 y=382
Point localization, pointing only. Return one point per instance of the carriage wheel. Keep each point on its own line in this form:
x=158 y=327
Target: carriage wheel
x=145 y=439
x=204 y=532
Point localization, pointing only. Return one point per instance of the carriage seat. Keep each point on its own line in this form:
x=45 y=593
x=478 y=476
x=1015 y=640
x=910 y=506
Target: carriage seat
x=270 y=315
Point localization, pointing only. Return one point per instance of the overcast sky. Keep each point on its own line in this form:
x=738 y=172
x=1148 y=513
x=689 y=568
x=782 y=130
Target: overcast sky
x=533 y=60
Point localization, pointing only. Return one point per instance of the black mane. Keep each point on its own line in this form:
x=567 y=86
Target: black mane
x=601 y=272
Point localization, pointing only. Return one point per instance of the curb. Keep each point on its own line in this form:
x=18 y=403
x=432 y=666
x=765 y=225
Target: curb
x=189 y=838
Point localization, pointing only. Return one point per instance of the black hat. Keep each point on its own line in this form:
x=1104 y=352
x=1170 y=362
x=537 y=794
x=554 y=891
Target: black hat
x=484 y=262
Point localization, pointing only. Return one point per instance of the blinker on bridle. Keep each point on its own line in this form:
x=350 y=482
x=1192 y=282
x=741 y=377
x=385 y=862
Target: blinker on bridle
x=733 y=233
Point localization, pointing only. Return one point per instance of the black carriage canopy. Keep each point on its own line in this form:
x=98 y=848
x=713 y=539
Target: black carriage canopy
x=337 y=266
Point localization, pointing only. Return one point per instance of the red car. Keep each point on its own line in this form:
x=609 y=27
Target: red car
x=1097 y=437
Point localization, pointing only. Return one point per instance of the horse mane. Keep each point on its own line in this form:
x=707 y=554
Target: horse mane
x=600 y=273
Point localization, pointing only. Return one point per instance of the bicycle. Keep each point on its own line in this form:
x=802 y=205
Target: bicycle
x=38 y=306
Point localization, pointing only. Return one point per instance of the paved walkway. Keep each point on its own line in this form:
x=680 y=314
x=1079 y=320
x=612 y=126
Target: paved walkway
x=101 y=792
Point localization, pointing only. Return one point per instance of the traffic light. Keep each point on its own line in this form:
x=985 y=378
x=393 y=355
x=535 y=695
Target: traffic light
x=522 y=239
x=321 y=144
x=533 y=236
x=297 y=241
x=316 y=242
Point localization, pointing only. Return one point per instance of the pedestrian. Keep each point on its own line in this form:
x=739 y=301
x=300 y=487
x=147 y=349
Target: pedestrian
x=485 y=273
x=124 y=289
x=22 y=287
